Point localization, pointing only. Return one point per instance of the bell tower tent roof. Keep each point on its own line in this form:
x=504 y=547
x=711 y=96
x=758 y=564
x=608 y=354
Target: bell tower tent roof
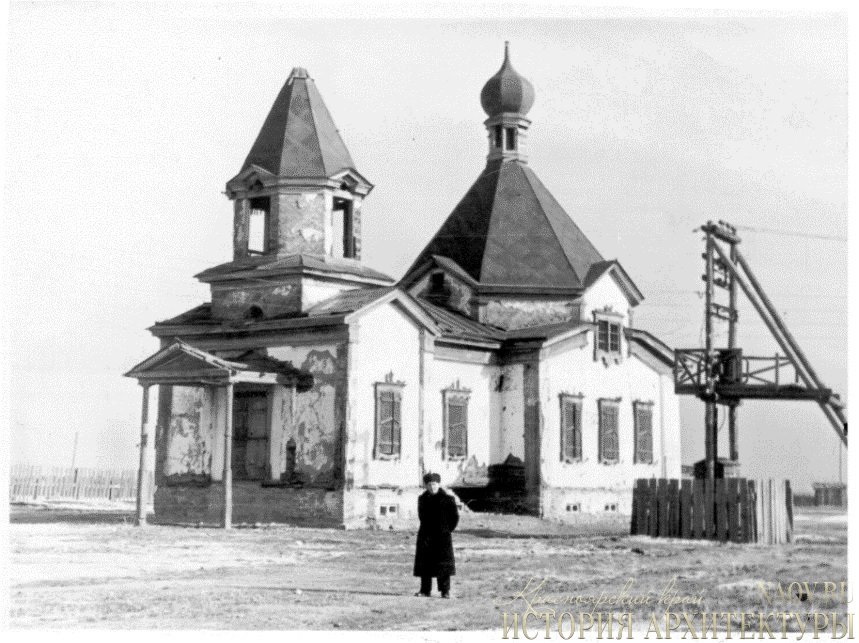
x=298 y=138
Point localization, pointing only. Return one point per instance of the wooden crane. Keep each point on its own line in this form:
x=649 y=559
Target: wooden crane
x=724 y=376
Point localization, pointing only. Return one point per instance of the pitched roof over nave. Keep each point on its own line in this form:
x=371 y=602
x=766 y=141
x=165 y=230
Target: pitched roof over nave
x=508 y=230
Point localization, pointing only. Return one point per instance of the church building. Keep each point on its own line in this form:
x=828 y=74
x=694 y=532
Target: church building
x=315 y=390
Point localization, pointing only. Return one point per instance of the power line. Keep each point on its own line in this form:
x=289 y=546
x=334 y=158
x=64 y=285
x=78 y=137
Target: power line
x=788 y=233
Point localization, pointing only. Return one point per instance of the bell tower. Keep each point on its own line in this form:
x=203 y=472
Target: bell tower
x=297 y=214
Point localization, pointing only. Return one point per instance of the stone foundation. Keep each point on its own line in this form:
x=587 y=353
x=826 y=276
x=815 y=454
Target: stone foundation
x=381 y=508
x=566 y=504
x=252 y=503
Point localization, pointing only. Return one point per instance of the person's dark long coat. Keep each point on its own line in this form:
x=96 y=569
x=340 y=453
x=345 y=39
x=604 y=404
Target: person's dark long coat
x=434 y=552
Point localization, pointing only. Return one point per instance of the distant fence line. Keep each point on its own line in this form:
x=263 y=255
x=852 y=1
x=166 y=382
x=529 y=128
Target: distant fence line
x=29 y=482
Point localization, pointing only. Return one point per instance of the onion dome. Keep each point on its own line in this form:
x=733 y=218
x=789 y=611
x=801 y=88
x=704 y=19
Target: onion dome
x=507 y=91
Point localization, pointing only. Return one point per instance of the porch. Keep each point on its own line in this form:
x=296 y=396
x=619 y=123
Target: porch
x=216 y=415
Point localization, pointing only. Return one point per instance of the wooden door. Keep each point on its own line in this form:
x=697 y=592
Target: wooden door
x=250 y=435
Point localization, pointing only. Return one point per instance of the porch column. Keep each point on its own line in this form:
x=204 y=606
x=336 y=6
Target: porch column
x=228 y=460
x=141 y=470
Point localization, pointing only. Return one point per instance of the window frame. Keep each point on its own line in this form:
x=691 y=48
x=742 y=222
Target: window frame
x=608 y=335
x=639 y=406
x=395 y=390
x=577 y=402
x=605 y=404
x=454 y=395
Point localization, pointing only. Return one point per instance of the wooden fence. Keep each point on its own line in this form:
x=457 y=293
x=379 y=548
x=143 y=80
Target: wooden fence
x=732 y=509
x=28 y=483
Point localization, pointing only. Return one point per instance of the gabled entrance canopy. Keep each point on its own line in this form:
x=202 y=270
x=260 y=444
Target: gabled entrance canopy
x=182 y=364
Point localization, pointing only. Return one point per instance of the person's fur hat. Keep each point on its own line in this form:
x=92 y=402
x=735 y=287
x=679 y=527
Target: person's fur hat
x=432 y=477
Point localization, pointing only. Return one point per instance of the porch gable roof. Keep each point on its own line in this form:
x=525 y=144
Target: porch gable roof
x=180 y=363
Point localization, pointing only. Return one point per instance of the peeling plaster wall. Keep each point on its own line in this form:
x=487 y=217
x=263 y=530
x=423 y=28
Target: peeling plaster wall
x=479 y=378
x=241 y=215
x=382 y=341
x=189 y=434
x=330 y=244
x=522 y=313
x=232 y=302
x=291 y=294
x=319 y=413
x=298 y=222
x=507 y=414
x=589 y=482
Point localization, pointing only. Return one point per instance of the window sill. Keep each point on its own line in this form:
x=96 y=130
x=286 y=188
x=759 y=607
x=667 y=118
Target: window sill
x=571 y=461
x=386 y=458
x=608 y=357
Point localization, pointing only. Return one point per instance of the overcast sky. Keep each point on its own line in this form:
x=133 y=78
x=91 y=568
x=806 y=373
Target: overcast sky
x=125 y=122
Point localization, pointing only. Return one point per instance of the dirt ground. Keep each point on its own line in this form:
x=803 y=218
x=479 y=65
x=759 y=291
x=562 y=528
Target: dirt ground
x=73 y=568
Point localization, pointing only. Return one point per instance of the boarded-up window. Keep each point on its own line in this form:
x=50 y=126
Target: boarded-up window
x=250 y=435
x=608 y=336
x=609 y=448
x=643 y=418
x=389 y=402
x=571 y=428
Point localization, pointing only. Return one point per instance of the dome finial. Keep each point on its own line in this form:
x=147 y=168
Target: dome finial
x=507 y=91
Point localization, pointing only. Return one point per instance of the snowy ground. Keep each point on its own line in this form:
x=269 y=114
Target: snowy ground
x=89 y=567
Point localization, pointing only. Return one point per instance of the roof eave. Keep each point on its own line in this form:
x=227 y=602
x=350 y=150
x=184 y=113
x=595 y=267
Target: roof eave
x=292 y=323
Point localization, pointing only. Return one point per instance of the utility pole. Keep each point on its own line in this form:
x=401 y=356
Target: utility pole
x=732 y=344
x=711 y=447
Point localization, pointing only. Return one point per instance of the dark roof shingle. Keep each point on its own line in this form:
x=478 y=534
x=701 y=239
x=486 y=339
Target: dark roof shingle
x=508 y=230
x=298 y=138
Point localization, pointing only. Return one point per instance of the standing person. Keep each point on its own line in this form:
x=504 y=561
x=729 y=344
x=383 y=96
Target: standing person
x=434 y=553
